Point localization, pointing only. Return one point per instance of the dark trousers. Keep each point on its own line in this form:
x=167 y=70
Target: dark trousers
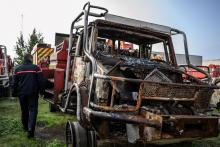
x=29 y=110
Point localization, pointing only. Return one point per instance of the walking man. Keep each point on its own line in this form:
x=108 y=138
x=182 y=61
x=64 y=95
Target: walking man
x=28 y=83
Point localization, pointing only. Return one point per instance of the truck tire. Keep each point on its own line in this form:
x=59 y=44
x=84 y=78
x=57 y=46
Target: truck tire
x=52 y=107
x=77 y=136
x=92 y=140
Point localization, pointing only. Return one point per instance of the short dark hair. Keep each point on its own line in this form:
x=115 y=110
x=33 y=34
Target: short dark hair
x=28 y=57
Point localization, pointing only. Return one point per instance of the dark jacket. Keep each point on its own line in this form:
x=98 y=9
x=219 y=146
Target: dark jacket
x=27 y=80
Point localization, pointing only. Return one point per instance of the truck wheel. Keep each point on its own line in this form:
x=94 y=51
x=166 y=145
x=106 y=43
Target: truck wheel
x=70 y=132
x=52 y=107
x=77 y=136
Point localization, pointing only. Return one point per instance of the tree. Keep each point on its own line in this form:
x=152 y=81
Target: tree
x=34 y=38
x=22 y=47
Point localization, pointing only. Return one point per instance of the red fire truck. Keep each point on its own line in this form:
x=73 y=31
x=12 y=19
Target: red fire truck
x=215 y=73
x=5 y=72
x=212 y=69
x=53 y=64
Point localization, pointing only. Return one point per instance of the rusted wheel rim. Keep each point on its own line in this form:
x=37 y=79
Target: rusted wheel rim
x=70 y=139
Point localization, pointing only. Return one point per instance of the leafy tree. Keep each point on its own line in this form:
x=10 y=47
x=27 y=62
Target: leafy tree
x=22 y=47
x=34 y=38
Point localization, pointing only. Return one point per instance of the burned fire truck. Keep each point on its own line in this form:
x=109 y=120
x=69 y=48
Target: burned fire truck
x=5 y=72
x=126 y=94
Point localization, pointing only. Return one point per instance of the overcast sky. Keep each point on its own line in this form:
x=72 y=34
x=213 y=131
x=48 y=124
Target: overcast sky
x=200 y=19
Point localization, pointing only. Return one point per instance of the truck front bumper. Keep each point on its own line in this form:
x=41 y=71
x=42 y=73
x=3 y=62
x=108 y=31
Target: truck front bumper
x=148 y=127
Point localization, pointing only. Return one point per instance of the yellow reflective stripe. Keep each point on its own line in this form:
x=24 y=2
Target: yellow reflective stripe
x=43 y=52
x=40 y=53
x=39 y=50
x=48 y=53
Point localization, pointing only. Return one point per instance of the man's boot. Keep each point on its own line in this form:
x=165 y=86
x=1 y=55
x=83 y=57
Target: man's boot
x=30 y=134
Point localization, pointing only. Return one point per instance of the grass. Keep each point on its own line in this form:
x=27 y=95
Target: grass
x=11 y=133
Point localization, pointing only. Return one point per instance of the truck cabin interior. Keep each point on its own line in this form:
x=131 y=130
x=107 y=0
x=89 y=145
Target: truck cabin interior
x=142 y=39
x=146 y=51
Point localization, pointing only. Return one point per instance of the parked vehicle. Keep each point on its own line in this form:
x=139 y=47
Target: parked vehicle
x=5 y=72
x=215 y=73
x=198 y=74
x=212 y=70
x=120 y=94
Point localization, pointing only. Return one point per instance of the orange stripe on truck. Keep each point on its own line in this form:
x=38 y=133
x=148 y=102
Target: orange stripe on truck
x=43 y=52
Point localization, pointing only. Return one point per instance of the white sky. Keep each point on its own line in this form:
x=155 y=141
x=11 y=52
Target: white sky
x=50 y=16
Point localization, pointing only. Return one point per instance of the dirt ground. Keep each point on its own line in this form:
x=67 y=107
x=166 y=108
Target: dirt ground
x=50 y=133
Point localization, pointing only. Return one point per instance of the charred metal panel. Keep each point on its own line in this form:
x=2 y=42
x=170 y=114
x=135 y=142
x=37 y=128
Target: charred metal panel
x=79 y=70
x=192 y=126
x=168 y=92
x=103 y=88
x=203 y=98
x=157 y=76
x=150 y=133
x=137 y=23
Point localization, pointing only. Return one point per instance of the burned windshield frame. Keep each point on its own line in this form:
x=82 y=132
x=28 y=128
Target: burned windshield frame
x=144 y=50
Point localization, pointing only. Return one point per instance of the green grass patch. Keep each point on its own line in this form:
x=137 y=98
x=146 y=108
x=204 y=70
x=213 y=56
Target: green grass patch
x=52 y=118
x=11 y=132
x=12 y=135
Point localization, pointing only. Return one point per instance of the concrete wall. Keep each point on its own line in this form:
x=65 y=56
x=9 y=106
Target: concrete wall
x=181 y=59
x=194 y=59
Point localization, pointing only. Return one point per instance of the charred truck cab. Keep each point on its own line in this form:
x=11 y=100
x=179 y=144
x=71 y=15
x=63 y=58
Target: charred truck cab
x=131 y=93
